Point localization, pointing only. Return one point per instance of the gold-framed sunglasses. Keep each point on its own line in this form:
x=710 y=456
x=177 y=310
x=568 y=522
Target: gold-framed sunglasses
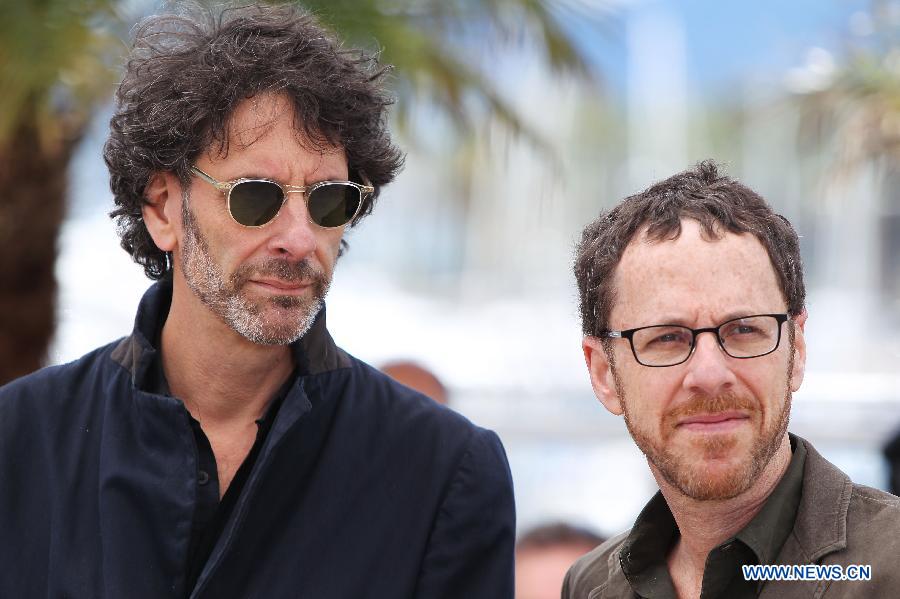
x=256 y=202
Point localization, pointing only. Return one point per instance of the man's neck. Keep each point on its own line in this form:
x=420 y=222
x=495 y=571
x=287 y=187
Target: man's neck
x=223 y=378
x=704 y=525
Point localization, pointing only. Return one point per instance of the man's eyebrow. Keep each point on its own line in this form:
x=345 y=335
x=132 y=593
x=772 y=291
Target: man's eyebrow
x=687 y=322
x=735 y=314
x=648 y=322
x=312 y=180
x=668 y=319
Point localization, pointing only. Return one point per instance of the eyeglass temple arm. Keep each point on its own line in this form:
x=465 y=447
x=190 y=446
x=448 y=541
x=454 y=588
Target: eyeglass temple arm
x=367 y=186
x=217 y=184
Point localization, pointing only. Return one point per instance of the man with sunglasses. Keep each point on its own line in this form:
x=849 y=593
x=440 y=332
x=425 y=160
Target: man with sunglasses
x=228 y=447
x=692 y=307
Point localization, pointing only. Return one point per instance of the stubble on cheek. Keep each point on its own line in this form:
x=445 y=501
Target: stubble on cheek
x=709 y=466
x=268 y=320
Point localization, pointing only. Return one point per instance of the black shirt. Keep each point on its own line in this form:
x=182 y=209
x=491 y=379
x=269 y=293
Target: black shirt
x=655 y=533
x=211 y=514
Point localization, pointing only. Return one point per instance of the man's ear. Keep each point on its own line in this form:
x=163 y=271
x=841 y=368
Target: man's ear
x=163 y=209
x=799 y=350
x=601 y=375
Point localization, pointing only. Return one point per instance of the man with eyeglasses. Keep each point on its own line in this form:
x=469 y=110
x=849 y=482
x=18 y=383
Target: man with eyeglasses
x=692 y=307
x=228 y=447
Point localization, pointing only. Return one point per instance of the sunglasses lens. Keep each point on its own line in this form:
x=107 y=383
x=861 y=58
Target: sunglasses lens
x=333 y=204
x=254 y=203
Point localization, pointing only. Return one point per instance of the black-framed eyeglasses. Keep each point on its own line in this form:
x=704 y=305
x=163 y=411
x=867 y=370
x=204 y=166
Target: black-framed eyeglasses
x=669 y=344
x=256 y=202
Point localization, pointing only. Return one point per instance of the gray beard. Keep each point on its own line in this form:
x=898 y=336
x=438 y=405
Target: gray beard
x=224 y=296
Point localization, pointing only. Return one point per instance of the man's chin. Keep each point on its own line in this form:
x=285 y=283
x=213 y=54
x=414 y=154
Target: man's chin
x=711 y=467
x=275 y=334
x=709 y=479
x=722 y=446
x=276 y=320
x=291 y=303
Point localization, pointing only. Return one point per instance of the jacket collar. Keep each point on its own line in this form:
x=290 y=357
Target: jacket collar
x=820 y=526
x=314 y=353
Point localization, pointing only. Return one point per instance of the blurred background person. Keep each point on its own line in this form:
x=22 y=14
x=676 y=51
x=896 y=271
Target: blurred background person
x=892 y=453
x=416 y=376
x=544 y=554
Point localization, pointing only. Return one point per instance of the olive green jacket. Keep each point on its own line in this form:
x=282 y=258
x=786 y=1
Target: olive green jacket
x=838 y=522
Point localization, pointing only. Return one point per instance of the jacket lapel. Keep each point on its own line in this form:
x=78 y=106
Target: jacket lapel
x=820 y=527
x=821 y=524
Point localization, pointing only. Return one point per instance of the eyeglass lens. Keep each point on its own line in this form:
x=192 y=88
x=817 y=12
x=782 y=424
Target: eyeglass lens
x=254 y=203
x=666 y=345
x=333 y=204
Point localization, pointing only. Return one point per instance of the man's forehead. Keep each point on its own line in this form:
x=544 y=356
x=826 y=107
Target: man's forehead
x=257 y=116
x=693 y=276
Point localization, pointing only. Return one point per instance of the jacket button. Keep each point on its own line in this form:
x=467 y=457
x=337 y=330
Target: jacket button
x=203 y=477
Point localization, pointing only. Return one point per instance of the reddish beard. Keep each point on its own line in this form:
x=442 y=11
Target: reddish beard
x=689 y=470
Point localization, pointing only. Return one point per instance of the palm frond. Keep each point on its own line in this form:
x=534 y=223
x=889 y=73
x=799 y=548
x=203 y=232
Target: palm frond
x=434 y=48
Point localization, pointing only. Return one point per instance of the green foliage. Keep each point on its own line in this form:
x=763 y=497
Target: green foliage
x=438 y=48
x=54 y=65
x=57 y=57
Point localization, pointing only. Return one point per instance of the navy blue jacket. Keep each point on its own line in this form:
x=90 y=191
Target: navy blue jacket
x=363 y=488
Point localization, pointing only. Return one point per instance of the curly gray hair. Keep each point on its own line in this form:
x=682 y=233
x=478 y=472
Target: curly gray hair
x=188 y=72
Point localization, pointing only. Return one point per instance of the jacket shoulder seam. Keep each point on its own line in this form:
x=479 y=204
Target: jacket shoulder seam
x=860 y=493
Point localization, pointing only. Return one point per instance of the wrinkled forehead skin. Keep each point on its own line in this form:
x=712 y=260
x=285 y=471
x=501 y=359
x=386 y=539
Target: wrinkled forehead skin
x=257 y=116
x=693 y=279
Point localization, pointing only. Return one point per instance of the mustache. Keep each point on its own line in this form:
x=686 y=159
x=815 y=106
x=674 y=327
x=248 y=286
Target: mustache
x=712 y=404
x=284 y=270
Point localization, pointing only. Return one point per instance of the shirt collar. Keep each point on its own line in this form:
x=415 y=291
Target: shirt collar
x=769 y=529
x=643 y=554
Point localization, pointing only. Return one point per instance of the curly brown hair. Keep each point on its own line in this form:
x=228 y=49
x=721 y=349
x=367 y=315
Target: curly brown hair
x=720 y=204
x=188 y=72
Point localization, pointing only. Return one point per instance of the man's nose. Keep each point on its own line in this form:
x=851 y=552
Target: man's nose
x=293 y=235
x=709 y=368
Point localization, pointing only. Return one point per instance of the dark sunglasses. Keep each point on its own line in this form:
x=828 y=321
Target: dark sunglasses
x=256 y=202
